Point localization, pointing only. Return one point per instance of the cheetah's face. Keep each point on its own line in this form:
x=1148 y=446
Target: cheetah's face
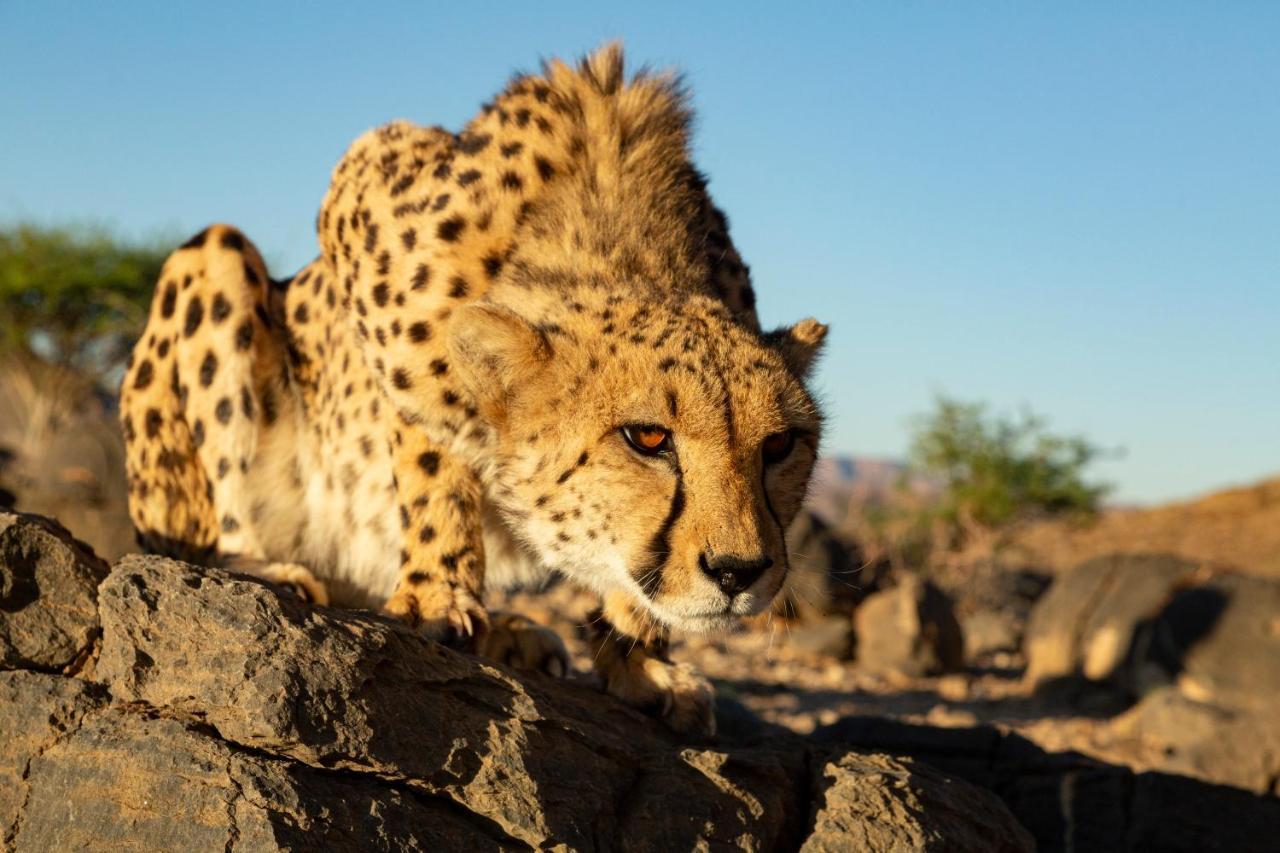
x=662 y=451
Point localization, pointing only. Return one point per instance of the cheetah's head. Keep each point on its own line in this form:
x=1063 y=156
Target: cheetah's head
x=661 y=449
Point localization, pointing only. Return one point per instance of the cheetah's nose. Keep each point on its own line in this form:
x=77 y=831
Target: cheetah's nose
x=734 y=574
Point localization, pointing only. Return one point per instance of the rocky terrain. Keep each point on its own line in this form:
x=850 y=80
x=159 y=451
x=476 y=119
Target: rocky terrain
x=1105 y=687
x=160 y=706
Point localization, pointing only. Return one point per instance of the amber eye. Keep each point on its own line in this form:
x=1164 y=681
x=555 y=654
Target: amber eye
x=778 y=446
x=647 y=439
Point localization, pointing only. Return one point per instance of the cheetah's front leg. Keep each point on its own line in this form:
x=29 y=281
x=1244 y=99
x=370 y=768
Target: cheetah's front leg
x=630 y=654
x=441 y=580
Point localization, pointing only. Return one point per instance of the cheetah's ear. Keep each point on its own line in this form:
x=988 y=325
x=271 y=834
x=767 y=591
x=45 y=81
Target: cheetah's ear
x=799 y=345
x=494 y=350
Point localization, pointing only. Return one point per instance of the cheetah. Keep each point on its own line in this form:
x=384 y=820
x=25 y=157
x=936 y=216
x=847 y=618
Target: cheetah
x=529 y=348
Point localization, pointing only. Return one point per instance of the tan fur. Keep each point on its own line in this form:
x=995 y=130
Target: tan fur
x=450 y=379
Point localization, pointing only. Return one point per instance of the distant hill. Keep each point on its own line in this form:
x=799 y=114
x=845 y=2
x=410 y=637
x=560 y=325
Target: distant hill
x=839 y=481
x=1238 y=528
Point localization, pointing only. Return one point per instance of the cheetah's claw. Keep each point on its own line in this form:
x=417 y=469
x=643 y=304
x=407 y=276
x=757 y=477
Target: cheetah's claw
x=440 y=611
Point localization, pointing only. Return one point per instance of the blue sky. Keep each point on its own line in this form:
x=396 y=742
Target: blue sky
x=1074 y=206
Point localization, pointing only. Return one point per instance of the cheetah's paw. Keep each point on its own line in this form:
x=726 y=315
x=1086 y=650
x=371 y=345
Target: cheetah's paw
x=687 y=699
x=298 y=578
x=440 y=611
x=519 y=642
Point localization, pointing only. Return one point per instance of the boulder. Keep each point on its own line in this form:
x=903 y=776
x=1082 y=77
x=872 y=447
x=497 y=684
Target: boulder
x=909 y=630
x=875 y=802
x=226 y=714
x=1070 y=802
x=48 y=594
x=1198 y=651
x=1091 y=617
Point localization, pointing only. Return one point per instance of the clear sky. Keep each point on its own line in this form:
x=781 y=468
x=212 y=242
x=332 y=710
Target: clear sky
x=1073 y=206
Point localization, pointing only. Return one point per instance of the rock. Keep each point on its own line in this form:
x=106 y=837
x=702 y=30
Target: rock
x=36 y=710
x=48 y=594
x=1089 y=620
x=874 y=802
x=1070 y=802
x=826 y=636
x=541 y=762
x=1214 y=742
x=145 y=782
x=909 y=630
x=226 y=714
x=829 y=574
x=1222 y=637
x=989 y=632
x=1199 y=651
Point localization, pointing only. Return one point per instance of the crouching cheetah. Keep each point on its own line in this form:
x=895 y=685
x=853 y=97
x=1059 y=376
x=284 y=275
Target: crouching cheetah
x=526 y=348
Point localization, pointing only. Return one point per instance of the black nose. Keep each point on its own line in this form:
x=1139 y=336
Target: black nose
x=734 y=574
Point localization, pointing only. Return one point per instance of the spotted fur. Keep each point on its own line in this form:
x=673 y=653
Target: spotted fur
x=441 y=394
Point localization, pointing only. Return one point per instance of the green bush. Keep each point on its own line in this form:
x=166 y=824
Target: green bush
x=995 y=470
x=74 y=296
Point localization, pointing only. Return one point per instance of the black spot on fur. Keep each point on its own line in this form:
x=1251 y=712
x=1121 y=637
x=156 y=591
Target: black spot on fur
x=197 y=241
x=208 y=369
x=419 y=332
x=400 y=378
x=232 y=240
x=473 y=143
x=145 y=374
x=429 y=462
x=221 y=308
x=244 y=335
x=195 y=315
x=458 y=287
x=169 y=300
x=153 y=422
x=381 y=294
x=421 y=276
x=223 y=411
x=451 y=229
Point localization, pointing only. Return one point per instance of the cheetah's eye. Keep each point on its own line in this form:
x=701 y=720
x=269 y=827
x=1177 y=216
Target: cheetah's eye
x=648 y=439
x=778 y=446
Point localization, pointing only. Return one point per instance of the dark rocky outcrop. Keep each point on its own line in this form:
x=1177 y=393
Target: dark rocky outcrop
x=48 y=595
x=226 y=714
x=1197 y=651
x=909 y=630
x=1070 y=802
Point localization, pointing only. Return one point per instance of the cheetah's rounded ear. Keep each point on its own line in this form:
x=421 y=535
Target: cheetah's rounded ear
x=799 y=345
x=493 y=350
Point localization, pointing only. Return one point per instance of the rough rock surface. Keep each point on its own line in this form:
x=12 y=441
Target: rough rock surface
x=910 y=630
x=1089 y=621
x=1071 y=803
x=48 y=594
x=225 y=714
x=1198 y=650
x=874 y=802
